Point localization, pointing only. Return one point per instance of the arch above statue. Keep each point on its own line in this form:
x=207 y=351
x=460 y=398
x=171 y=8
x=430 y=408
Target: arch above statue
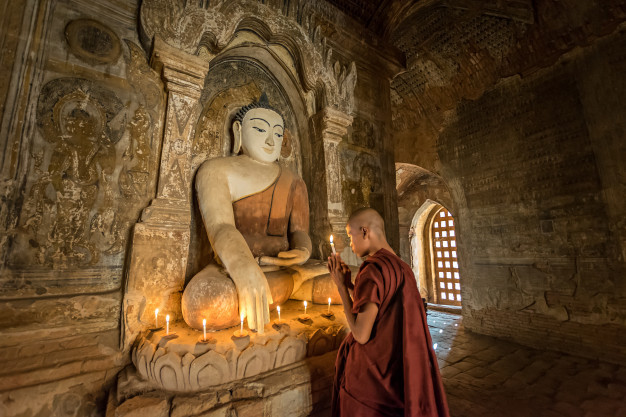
x=210 y=30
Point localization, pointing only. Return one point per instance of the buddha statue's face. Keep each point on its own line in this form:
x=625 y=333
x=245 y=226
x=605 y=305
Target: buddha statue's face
x=261 y=133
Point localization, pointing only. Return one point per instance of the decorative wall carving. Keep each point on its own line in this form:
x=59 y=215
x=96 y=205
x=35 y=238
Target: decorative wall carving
x=93 y=42
x=207 y=30
x=93 y=153
x=81 y=122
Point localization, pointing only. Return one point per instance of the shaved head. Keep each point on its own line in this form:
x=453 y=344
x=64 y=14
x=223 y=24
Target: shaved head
x=369 y=218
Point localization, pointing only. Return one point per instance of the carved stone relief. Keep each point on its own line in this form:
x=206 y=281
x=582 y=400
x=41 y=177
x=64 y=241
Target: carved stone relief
x=200 y=30
x=80 y=122
x=91 y=156
x=363 y=134
x=363 y=178
x=182 y=362
x=93 y=42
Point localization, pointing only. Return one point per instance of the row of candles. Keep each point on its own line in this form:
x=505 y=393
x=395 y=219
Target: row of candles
x=167 y=319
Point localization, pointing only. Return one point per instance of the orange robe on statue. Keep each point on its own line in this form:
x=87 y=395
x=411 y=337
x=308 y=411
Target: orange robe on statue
x=395 y=373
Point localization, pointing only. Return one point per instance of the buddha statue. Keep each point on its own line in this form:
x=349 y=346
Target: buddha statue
x=256 y=215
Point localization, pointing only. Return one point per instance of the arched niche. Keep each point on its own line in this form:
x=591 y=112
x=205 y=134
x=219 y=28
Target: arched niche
x=420 y=194
x=236 y=77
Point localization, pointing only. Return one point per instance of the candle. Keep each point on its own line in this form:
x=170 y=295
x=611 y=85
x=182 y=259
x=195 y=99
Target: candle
x=241 y=330
x=278 y=309
x=167 y=324
x=156 y=318
x=305 y=307
x=204 y=328
x=332 y=245
x=328 y=305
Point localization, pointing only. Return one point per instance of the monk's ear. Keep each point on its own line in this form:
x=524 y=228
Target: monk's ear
x=236 y=136
x=365 y=231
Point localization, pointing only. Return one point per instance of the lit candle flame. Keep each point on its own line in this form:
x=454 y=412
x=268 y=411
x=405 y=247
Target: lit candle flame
x=156 y=318
x=332 y=245
x=241 y=330
x=305 y=304
x=167 y=321
x=204 y=328
x=328 y=305
x=278 y=309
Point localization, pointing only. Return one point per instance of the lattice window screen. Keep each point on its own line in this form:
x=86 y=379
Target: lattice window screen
x=447 y=279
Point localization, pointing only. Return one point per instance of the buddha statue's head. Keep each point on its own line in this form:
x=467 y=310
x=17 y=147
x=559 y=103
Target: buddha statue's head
x=258 y=130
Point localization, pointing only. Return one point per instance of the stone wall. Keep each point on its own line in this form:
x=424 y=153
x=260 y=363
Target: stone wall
x=532 y=165
x=79 y=129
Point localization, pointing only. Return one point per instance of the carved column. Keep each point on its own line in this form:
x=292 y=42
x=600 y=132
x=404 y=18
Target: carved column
x=331 y=126
x=160 y=244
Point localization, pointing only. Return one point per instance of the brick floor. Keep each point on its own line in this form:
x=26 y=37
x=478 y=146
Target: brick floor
x=488 y=377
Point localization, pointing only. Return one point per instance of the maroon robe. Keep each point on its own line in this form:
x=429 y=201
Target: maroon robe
x=395 y=373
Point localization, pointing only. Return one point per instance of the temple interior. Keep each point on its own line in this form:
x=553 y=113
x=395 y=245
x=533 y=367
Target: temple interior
x=490 y=135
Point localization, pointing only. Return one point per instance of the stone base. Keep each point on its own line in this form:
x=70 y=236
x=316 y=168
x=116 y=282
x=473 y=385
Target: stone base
x=303 y=388
x=184 y=364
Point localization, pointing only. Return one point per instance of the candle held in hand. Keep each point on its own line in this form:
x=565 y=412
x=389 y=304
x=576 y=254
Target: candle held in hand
x=241 y=330
x=278 y=309
x=332 y=245
x=156 y=318
x=305 y=304
x=204 y=328
x=328 y=305
x=167 y=324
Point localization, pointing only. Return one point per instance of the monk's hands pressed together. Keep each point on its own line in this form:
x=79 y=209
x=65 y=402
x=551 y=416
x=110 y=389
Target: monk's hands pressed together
x=339 y=271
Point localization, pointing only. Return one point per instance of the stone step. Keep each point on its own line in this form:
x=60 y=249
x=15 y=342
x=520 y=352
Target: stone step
x=45 y=353
x=15 y=380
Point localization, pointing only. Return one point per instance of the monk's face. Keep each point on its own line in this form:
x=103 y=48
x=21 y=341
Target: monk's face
x=262 y=134
x=358 y=242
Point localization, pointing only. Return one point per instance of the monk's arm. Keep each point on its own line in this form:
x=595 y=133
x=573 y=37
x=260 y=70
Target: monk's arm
x=360 y=324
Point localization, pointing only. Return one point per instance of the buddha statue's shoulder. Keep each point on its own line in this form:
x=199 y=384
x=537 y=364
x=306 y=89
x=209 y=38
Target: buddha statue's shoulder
x=219 y=167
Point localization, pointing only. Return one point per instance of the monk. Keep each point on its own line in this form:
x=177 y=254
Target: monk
x=386 y=366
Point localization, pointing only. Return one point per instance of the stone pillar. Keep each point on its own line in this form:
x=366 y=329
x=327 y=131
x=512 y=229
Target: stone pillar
x=160 y=243
x=331 y=126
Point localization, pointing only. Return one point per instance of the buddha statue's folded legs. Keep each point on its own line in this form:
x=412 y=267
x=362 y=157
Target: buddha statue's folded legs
x=212 y=295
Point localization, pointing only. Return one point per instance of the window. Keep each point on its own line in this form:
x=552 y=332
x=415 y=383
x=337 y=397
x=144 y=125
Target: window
x=446 y=266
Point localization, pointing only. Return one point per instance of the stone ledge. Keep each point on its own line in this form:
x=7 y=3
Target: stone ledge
x=185 y=364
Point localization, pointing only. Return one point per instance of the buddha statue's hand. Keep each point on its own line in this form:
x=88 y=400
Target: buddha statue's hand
x=296 y=256
x=254 y=297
